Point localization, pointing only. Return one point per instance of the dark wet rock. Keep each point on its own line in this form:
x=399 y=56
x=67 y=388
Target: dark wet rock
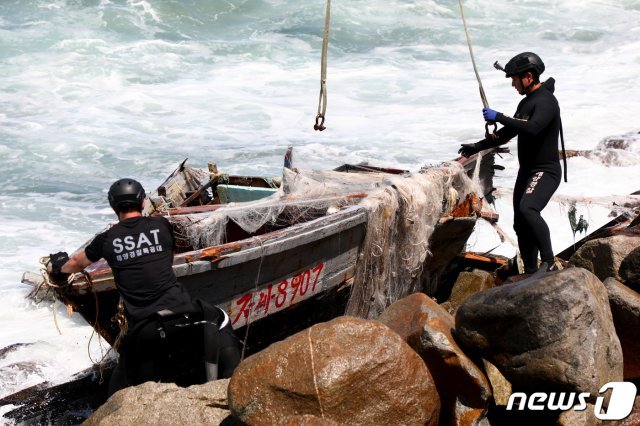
x=603 y=256
x=165 y=404
x=625 y=308
x=348 y=370
x=426 y=327
x=612 y=151
x=12 y=348
x=468 y=283
x=552 y=332
x=629 y=270
x=14 y=374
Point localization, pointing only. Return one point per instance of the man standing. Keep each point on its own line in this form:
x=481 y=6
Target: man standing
x=139 y=251
x=537 y=124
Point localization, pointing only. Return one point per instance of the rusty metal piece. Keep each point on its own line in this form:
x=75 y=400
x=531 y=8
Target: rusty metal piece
x=470 y=206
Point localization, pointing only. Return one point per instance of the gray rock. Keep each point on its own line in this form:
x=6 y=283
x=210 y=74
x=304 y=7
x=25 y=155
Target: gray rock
x=625 y=307
x=587 y=417
x=554 y=332
x=604 y=256
x=164 y=404
x=629 y=270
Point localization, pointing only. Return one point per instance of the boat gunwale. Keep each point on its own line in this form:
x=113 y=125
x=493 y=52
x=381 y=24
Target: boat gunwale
x=230 y=254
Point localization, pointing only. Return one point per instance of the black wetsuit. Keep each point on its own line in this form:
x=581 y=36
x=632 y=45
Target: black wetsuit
x=163 y=322
x=537 y=124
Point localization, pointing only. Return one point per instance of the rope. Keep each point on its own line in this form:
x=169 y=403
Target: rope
x=120 y=319
x=322 y=98
x=473 y=60
x=246 y=331
x=313 y=372
x=55 y=319
x=96 y=328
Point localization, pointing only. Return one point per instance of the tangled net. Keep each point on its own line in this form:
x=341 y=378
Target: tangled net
x=402 y=213
x=402 y=218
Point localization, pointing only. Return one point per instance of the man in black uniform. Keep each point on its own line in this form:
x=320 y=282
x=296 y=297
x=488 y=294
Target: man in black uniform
x=139 y=251
x=537 y=124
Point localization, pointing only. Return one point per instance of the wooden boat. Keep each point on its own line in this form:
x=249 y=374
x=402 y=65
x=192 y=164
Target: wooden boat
x=305 y=254
x=291 y=272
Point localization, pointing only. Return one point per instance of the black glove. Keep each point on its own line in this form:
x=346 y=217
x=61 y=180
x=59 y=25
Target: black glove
x=468 y=149
x=54 y=266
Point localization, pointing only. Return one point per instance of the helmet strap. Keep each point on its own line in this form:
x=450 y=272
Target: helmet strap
x=529 y=86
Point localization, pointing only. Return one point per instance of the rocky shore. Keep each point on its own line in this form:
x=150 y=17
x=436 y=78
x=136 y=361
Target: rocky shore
x=448 y=362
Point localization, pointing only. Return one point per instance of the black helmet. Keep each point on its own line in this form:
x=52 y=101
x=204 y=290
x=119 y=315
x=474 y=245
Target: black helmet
x=126 y=193
x=524 y=62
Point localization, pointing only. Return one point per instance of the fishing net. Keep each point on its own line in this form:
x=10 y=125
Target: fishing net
x=303 y=196
x=402 y=212
x=402 y=217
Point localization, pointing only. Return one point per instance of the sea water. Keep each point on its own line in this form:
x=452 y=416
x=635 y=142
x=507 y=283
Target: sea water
x=95 y=90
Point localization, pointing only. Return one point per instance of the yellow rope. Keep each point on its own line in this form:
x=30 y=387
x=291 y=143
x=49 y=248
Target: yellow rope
x=55 y=319
x=313 y=372
x=473 y=60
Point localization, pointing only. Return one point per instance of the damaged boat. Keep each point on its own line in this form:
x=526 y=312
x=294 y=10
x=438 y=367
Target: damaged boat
x=259 y=247
x=280 y=255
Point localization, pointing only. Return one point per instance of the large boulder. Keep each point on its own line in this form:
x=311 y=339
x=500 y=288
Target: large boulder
x=426 y=327
x=625 y=307
x=587 y=417
x=603 y=256
x=164 y=404
x=306 y=420
x=552 y=332
x=348 y=370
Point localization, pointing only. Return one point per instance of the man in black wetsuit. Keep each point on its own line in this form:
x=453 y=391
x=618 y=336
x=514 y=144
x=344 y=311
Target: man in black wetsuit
x=537 y=124
x=160 y=314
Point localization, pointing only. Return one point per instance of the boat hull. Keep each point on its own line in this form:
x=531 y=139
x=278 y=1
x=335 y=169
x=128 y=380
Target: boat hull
x=301 y=266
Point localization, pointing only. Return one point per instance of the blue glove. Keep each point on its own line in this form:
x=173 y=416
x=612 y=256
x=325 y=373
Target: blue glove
x=489 y=114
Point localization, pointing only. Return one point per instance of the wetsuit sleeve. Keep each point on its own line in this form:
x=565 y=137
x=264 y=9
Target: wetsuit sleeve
x=505 y=134
x=543 y=114
x=94 y=250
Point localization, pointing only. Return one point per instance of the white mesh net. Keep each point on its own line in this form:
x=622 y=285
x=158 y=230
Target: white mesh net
x=402 y=212
x=303 y=196
x=402 y=217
